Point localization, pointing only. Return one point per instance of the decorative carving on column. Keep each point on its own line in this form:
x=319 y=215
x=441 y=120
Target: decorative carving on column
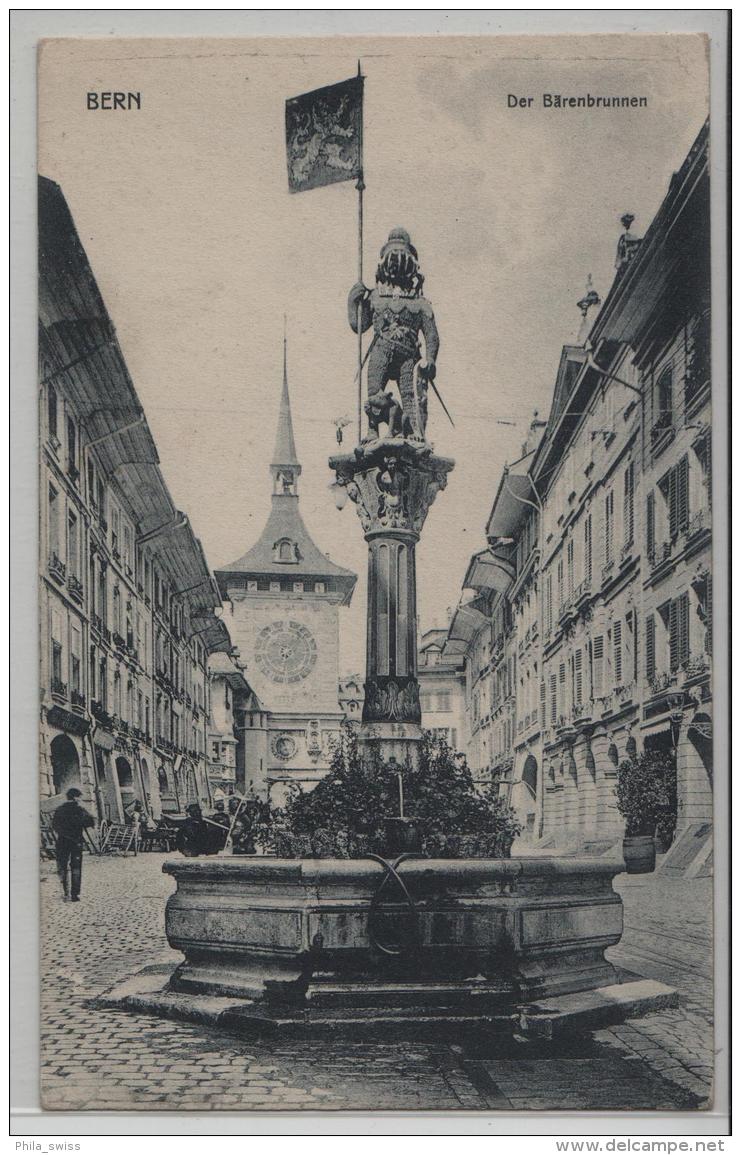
x=392 y=482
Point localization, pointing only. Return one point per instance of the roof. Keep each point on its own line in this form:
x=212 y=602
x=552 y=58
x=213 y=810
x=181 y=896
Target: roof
x=675 y=249
x=285 y=522
x=284 y=452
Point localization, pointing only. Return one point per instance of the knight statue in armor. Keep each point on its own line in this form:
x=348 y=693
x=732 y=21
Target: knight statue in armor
x=399 y=313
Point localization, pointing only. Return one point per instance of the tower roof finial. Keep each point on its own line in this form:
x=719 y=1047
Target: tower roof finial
x=285 y=446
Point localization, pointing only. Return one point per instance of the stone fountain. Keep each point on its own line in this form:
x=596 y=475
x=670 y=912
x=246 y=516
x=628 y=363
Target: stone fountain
x=314 y=945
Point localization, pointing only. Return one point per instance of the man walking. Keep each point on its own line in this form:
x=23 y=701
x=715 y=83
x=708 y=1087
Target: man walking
x=69 y=823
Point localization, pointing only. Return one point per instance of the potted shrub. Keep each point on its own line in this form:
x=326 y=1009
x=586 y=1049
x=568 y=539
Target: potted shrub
x=646 y=798
x=355 y=810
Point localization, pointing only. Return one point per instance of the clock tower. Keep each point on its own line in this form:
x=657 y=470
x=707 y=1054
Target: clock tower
x=281 y=604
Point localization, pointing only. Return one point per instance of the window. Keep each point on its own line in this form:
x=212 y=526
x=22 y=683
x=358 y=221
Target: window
x=100 y=499
x=674 y=486
x=286 y=550
x=73 y=545
x=617 y=652
x=664 y=395
x=608 y=525
x=598 y=666
x=72 y=449
x=92 y=672
x=127 y=548
x=651 y=525
x=679 y=632
x=56 y=665
x=115 y=531
x=103 y=683
x=117 y=693
x=650 y=646
x=559 y=581
x=53 y=519
x=443 y=699
x=102 y=594
x=570 y=568
x=578 y=677
x=628 y=510
x=51 y=414
x=588 y=549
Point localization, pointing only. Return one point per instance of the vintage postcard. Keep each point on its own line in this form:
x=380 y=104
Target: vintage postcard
x=375 y=585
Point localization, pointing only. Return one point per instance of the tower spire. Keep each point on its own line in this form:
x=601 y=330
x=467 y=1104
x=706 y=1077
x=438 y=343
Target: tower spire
x=285 y=466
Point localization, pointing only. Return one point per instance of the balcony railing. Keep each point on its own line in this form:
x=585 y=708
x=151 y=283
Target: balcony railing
x=119 y=642
x=57 y=568
x=660 y=553
x=77 y=699
x=101 y=715
x=59 y=688
x=661 y=428
x=697 y=523
x=74 y=585
x=662 y=681
x=696 y=667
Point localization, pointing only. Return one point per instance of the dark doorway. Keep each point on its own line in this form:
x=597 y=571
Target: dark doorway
x=65 y=764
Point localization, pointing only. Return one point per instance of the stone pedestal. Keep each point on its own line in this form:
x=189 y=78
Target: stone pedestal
x=393 y=481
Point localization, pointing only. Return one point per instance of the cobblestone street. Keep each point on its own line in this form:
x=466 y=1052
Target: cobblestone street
x=109 y=1060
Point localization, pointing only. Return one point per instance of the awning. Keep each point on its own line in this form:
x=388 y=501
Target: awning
x=467 y=622
x=513 y=501
x=489 y=570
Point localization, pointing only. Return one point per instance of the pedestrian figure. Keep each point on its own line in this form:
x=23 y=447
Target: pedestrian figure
x=221 y=819
x=69 y=823
x=193 y=833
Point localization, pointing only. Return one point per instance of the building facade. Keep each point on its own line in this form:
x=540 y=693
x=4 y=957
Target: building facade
x=441 y=690
x=126 y=598
x=599 y=645
x=281 y=603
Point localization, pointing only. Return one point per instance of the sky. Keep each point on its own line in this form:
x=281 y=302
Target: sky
x=199 y=249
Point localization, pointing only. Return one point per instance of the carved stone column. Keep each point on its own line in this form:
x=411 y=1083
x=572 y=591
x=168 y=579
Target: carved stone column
x=393 y=482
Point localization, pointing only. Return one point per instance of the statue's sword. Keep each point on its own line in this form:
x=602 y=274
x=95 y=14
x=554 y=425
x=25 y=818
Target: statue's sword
x=437 y=394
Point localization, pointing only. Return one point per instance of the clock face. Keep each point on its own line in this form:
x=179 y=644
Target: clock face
x=285 y=651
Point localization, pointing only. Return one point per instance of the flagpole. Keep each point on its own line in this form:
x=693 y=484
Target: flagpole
x=360 y=186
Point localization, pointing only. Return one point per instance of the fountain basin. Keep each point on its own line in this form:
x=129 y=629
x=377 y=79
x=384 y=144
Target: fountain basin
x=482 y=933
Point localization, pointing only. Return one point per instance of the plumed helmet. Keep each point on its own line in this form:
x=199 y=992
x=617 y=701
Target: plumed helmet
x=399 y=241
x=398 y=264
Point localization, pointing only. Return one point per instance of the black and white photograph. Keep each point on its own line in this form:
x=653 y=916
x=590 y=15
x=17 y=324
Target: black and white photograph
x=376 y=654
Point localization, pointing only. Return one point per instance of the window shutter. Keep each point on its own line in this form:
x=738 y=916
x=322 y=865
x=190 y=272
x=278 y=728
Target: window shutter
x=598 y=660
x=588 y=548
x=607 y=530
x=683 y=628
x=650 y=646
x=554 y=707
x=617 y=652
x=578 y=676
x=650 y=525
x=673 y=635
x=562 y=688
x=628 y=505
x=542 y=704
x=683 y=497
